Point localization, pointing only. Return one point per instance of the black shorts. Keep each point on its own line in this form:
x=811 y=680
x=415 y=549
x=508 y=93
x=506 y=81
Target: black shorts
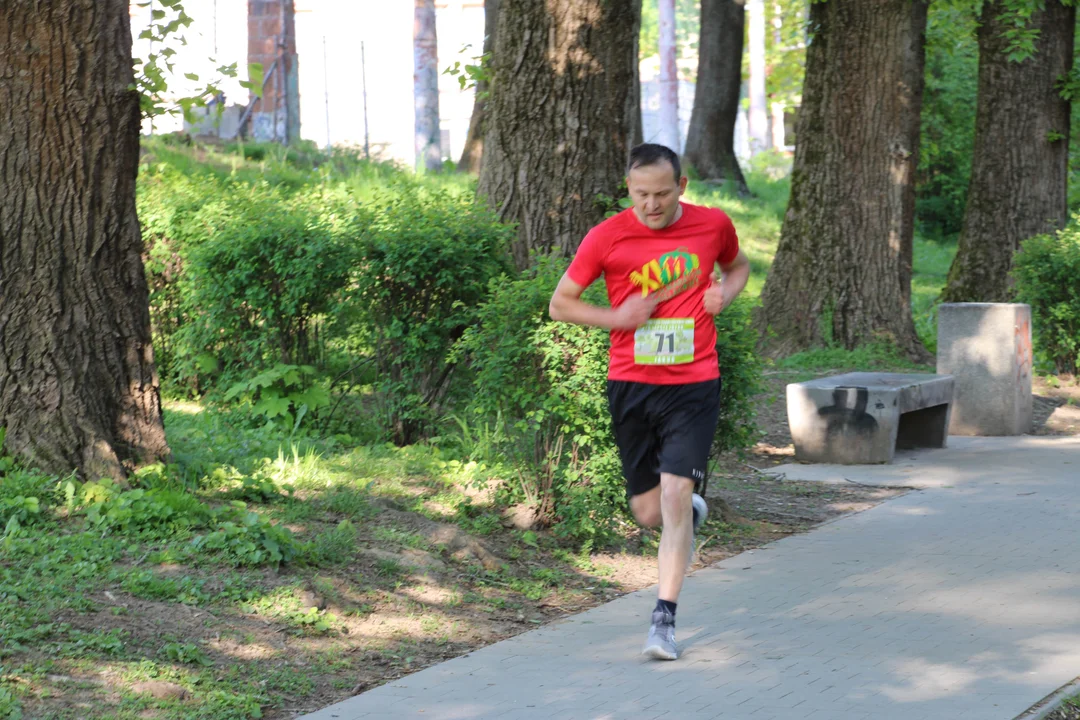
x=663 y=428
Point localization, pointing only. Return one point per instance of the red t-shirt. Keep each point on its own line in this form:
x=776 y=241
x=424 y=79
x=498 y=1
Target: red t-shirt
x=676 y=262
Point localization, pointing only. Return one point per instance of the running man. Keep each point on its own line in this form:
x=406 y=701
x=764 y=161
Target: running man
x=657 y=258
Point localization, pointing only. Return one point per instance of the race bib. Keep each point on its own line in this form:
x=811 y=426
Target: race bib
x=668 y=341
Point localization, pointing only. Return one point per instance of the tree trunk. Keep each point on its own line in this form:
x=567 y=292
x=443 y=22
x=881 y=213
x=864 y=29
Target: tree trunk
x=561 y=107
x=637 y=126
x=472 y=155
x=78 y=389
x=1020 y=164
x=426 y=87
x=842 y=272
x=710 y=142
x=759 y=114
x=669 y=79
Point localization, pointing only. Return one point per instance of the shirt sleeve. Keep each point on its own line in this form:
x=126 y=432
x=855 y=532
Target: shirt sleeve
x=588 y=263
x=729 y=241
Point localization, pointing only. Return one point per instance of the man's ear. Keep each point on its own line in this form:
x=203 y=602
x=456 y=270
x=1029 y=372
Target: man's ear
x=682 y=184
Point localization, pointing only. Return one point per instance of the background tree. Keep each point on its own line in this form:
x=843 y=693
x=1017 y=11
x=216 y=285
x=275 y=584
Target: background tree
x=710 y=141
x=948 y=120
x=842 y=271
x=561 y=113
x=1019 y=171
x=78 y=388
x=472 y=154
x=426 y=86
x=759 y=112
x=670 y=134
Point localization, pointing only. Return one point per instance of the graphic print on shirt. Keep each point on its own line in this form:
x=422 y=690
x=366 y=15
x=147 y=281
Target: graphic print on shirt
x=669 y=275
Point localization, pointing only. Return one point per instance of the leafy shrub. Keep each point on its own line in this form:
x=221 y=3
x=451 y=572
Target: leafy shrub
x=17 y=512
x=109 y=508
x=546 y=382
x=740 y=367
x=283 y=394
x=256 y=287
x=241 y=275
x=244 y=538
x=24 y=496
x=1045 y=272
x=427 y=263
x=185 y=654
x=235 y=533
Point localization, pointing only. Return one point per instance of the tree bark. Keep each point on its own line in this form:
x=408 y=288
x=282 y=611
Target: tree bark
x=1020 y=163
x=78 y=388
x=842 y=272
x=669 y=79
x=472 y=154
x=426 y=87
x=561 y=107
x=710 y=142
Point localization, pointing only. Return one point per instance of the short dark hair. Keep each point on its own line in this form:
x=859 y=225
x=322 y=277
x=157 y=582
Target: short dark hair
x=652 y=154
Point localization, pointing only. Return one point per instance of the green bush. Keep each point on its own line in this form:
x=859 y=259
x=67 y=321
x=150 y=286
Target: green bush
x=1045 y=272
x=740 y=368
x=426 y=267
x=257 y=287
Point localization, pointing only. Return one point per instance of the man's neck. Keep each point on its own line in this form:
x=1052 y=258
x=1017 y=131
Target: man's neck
x=674 y=218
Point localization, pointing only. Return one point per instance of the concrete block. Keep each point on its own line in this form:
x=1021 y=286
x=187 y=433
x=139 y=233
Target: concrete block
x=861 y=418
x=986 y=347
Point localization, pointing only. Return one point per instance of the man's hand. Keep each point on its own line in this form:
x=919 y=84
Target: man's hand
x=634 y=312
x=715 y=297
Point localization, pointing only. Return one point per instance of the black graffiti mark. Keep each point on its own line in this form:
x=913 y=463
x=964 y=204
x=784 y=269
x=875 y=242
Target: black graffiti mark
x=840 y=419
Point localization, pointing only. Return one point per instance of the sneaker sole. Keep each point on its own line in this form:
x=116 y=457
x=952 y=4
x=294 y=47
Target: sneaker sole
x=658 y=653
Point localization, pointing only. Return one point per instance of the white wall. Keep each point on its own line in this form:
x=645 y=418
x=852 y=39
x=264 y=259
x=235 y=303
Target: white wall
x=384 y=26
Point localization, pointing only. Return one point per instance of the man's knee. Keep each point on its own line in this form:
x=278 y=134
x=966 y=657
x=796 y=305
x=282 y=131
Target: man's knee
x=675 y=489
x=646 y=508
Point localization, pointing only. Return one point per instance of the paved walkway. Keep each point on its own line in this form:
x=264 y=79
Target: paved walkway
x=960 y=601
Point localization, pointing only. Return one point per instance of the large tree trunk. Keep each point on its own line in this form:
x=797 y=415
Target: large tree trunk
x=561 y=107
x=78 y=389
x=1020 y=164
x=472 y=154
x=710 y=142
x=843 y=268
x=426 y=87
x=669 y=78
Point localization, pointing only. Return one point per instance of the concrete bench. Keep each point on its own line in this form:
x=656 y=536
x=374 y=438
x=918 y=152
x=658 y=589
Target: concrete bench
x=863 y=417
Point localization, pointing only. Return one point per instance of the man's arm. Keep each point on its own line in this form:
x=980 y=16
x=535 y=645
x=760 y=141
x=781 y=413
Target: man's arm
x=567 y=305
x=735 y=274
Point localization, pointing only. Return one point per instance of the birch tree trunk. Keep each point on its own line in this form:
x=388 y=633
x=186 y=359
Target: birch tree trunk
x=78 y=388
x=426 y=87
x=669 y=78
x=759 y=114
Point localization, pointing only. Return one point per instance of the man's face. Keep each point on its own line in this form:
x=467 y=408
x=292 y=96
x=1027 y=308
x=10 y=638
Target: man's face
x=655 y=193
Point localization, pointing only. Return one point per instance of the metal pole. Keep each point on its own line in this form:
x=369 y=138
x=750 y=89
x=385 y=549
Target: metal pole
x=363 y=77
x=326 y=91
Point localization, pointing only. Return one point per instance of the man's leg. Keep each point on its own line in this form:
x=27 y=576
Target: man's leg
x=675 y=541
